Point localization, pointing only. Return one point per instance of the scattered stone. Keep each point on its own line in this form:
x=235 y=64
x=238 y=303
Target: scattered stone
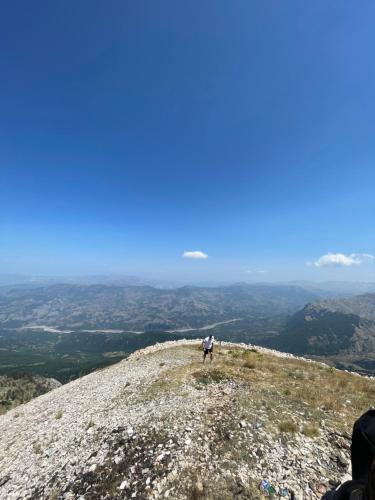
x=199 y=487
x=124 y=485
x=176 y=438
x=4 y=480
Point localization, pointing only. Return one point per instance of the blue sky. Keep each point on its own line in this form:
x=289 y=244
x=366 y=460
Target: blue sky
x=131 y=132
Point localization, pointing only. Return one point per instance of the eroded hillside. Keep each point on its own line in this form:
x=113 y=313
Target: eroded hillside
x=160 y=424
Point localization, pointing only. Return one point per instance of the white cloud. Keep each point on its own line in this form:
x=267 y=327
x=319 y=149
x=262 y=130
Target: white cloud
x=195 y=254
x=341 y=259
x=364 y=256
x=256 y=271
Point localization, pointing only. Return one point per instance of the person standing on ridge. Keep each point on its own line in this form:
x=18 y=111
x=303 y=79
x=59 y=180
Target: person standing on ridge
x=208 y=347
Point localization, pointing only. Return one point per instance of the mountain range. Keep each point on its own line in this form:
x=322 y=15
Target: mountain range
x=144 y=307
x=62 y=330
x=341 y=329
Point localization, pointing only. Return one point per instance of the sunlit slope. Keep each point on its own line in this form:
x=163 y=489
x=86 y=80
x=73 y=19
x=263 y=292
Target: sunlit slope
x=163 y=424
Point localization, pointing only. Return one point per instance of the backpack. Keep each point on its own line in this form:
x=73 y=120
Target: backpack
x=362 y=487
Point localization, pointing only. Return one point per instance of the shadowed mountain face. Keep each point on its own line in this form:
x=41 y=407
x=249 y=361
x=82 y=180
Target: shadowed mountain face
x=342 y=329
x=143 y=307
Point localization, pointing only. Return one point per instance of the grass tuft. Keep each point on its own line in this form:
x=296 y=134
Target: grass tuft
x=310 y=430
x=250 y=365
x=214 y=376
x=288 y=426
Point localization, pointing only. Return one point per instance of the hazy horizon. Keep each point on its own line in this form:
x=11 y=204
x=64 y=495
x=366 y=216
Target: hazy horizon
x=128 y=279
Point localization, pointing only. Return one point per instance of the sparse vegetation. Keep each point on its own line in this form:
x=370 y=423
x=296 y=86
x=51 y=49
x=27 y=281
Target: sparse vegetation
x=105 y=481
x=288 y=426
x=235 y=353
x=293 y=388
x=54 y=494
x=37 y=447
x=296 y=386
x=21 y=388
x=310 y=430
x=213 y=376
x=195 y=487
x=251 y=365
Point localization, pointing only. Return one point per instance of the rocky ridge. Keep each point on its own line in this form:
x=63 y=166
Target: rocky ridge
x=160 y=424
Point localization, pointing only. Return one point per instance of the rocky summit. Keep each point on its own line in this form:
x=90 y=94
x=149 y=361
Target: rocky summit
x=160 y=424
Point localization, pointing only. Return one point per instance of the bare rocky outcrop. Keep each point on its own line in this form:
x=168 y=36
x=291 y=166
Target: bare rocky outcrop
x=160 y=424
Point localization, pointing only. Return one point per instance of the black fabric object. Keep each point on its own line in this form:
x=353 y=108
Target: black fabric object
x=363 y=445
x=351 y=490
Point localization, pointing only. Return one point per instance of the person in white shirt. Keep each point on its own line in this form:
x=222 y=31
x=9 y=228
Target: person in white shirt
x=208 y=347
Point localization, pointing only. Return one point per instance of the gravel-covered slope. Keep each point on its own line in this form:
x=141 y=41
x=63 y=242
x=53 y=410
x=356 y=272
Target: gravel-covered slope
x=159 y=424
x=56 y=430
